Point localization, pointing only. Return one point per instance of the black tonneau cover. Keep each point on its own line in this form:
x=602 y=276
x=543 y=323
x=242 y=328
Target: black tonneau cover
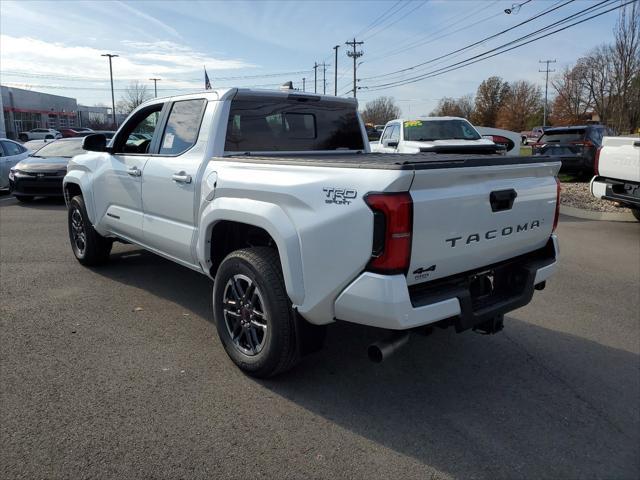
x=389 y=161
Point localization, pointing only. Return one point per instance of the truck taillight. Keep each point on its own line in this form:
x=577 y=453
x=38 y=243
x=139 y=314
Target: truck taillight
x=557 y=214
x=393 y=222
x=596 y=162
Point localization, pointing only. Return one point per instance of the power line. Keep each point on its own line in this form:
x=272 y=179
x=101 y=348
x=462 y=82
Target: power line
x=371 y=35
x=432 y=36
x=380 y=17
x=475 y=59
x=502 y=32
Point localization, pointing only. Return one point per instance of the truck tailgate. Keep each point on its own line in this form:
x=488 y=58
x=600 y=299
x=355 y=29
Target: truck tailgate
x=470 y=217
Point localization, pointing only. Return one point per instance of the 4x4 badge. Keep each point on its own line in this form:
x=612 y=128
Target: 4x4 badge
x=422 y=270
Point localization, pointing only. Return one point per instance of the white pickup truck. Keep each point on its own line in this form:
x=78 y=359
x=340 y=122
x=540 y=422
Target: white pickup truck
x=275 y=196
x=617 y=172
x=434 y=135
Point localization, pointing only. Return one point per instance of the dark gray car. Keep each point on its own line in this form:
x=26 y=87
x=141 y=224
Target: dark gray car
x=41 y=174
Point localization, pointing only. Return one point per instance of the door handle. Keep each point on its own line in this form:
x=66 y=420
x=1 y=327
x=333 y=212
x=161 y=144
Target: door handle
x=134 y=172
x=181 y=177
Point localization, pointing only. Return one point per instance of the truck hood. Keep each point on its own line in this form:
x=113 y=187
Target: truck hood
x=450 y=142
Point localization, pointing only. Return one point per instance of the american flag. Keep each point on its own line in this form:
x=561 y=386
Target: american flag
x=207 y=83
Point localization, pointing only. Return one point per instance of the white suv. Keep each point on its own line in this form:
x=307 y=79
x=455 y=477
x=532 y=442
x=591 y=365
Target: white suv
x=39 y=134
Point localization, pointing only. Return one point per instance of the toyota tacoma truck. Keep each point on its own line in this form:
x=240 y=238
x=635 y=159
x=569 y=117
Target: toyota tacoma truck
x=276 y=197
x=617 y=172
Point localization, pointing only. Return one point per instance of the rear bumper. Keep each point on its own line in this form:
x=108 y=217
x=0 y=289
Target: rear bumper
x=627 y=193
x=385 y=301
x=576 y=163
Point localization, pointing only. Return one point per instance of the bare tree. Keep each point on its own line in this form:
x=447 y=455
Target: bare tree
x=454 y=107
x=626 y=68
x=489 y=98
x=135 y=94
x=597 y=70
x=380 y=111
x=521 y=108
x=573 y=97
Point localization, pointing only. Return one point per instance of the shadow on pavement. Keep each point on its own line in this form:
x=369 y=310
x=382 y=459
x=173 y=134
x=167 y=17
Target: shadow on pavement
x=527 y=403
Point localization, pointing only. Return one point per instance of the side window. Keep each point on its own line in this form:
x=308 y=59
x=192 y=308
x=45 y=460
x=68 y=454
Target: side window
x=395 y=134
x=182 y=127
x=137 y=133
x=11 y=148
x=387 y=133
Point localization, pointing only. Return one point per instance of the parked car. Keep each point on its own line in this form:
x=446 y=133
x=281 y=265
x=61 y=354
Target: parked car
x=432 y=134
x=39 y=134
x=531 y=136
x=10 y=153
x=506 y=139
x=41 y=174
x=575 y=146
x=617 y=172
x=75 y=132
x=277 y=199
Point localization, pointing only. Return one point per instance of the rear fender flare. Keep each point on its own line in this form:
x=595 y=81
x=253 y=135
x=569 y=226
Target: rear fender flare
x=269 y=217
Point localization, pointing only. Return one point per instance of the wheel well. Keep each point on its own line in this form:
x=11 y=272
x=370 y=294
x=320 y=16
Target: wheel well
x=71 y=190
x=228 y=236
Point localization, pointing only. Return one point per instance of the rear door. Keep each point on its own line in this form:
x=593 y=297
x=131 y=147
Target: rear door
x=470 y=217
x=170 y=181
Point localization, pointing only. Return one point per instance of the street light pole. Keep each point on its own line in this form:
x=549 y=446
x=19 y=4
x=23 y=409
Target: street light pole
x=335 y=72
x=155 y=86
x=113 y=98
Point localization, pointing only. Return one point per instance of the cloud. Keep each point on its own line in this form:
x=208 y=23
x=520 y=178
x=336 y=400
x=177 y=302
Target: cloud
x=137 y=60
x=148 y=18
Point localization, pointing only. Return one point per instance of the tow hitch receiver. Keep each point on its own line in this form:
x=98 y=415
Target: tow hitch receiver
x=491 y=326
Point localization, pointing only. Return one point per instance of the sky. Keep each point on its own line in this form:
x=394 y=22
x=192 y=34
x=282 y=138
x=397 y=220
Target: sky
x=56 y=47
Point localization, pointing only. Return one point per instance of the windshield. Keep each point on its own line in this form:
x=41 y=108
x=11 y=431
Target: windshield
x=562 y=136
x=63 y=148
x=426 y=130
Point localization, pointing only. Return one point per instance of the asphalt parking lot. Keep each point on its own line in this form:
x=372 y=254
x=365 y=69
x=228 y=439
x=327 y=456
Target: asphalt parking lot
x=117 y=372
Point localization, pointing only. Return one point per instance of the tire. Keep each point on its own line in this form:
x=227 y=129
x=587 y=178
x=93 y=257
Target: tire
x=48 y=137
x=24 y=199
x=88 y=246
x=260 y=345
x=636 y=213
x=22 y=137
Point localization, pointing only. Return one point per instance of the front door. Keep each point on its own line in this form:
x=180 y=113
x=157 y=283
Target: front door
x=169 y=183
x=117 y=187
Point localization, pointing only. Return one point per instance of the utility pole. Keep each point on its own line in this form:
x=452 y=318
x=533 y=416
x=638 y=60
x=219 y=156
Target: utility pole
x=315 y=77
x=335 y=73
x=546 y=71
x=324 y=77
x=113 y=98
x=355 y=55
x=304 y=84
x=155 y=86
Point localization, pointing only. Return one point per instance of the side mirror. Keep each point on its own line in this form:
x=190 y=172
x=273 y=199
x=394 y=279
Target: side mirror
x=96 y=142
x=391 y=143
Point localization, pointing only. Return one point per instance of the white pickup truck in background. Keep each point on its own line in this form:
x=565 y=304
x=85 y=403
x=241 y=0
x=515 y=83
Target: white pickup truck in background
x=433 y=134
x=617 y=172
x=275 y=196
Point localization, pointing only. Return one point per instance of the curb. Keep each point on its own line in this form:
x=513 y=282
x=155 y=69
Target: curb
x=589 y=215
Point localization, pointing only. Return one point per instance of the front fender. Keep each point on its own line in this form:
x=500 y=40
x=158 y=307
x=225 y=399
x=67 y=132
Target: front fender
x=81 y=176
x=267 y=216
